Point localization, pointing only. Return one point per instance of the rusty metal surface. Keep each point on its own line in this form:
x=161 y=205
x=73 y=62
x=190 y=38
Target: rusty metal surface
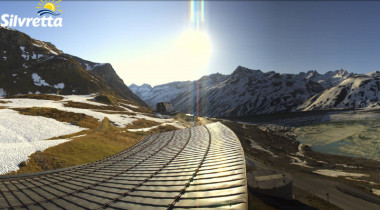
x=200 y=167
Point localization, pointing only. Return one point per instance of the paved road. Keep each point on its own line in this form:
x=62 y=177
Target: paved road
x=321 y=186
x=199 y=167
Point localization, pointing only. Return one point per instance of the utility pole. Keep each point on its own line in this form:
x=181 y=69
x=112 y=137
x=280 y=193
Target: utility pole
x=328 y=201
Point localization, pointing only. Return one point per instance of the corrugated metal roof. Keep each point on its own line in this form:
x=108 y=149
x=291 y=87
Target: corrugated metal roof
x=200 y=167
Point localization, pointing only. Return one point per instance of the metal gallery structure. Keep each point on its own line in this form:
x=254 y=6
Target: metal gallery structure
x=199 y=167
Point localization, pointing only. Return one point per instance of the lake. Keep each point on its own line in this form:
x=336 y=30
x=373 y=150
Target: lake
x=356 y=138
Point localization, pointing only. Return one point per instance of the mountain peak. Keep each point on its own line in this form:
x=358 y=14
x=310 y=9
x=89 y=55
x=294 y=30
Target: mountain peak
x=243 y=71
x=33 y=66
x=146 y=86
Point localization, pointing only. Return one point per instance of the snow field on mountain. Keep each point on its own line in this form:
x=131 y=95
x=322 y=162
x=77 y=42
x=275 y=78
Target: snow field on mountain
x=120 y=120
x=22 y=135
x=359 y=92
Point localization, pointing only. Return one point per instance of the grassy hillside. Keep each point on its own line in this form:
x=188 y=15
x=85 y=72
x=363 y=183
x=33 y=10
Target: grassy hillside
x=97 y=144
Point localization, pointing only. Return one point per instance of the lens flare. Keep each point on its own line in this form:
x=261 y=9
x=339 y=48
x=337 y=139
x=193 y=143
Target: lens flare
x=197 y=12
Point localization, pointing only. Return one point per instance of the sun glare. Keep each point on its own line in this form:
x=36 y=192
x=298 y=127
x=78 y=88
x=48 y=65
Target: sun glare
x=195 y=44
x=186 y=58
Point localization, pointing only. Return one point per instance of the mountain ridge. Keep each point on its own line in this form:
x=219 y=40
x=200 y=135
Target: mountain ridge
x=357 y=92
x=29 y=65
x=244 y=92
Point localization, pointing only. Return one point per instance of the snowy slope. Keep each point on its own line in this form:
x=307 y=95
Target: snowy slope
x=360 y=91
x=120 y=120
x=243 y=93
x=22 y=135
x=143 y=91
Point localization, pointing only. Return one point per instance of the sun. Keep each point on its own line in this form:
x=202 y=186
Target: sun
x=195 y=43
x=50 y=5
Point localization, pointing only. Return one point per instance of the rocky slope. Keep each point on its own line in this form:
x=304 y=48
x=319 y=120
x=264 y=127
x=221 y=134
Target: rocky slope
x=110 y=77
x=360 y=91
x=28 y=65
x=243 y=93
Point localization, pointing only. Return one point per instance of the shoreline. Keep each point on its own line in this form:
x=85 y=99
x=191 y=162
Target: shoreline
x=281 y=150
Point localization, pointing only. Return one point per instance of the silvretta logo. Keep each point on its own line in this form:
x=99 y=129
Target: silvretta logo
x=48 y=7
x=47 y=10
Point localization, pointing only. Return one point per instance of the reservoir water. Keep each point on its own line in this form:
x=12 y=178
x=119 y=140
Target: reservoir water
x=356 y=138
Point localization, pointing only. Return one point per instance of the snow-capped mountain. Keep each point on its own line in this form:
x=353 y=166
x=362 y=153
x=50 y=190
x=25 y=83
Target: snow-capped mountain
x=28 y=65
x=360 y=91
x=142 y=90
x=330 y=78
x=243 y=93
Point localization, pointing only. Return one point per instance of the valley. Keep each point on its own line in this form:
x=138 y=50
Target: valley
x=315 y=173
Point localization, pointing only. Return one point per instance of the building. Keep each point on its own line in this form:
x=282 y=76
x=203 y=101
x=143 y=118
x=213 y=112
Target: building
x=272 y=183
x=165 y=108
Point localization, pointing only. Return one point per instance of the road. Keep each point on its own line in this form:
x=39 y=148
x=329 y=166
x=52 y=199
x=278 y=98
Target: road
x=320 y=186
x=198 y=167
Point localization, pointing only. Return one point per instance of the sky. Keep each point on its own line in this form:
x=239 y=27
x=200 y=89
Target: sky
x=156 y=42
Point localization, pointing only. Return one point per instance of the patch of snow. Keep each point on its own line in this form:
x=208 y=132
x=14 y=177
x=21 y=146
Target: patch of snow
x=34 y=56
x=46 y=47
x=52 y=52
x=336 y=173
x=38 y=92
x=360 y=180
x=322 y=162
x=15 y=75
x=120 y=120
x=347 y=166
x=12 y=154
x=5 y=58
x=38 y=81
x=2 y=92
x=130 y=105
x=143 y=129
x=88 y=99
x=37 y=45
x=255 y=145
x=25 y=56
x=90 y=68
x=22 y=48
x=59 y=86
x=299 y=162
x=22 y=135
x=376 y=192
x=300 y=151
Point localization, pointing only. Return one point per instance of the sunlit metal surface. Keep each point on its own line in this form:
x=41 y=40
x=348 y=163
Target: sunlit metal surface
x=201 y=167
